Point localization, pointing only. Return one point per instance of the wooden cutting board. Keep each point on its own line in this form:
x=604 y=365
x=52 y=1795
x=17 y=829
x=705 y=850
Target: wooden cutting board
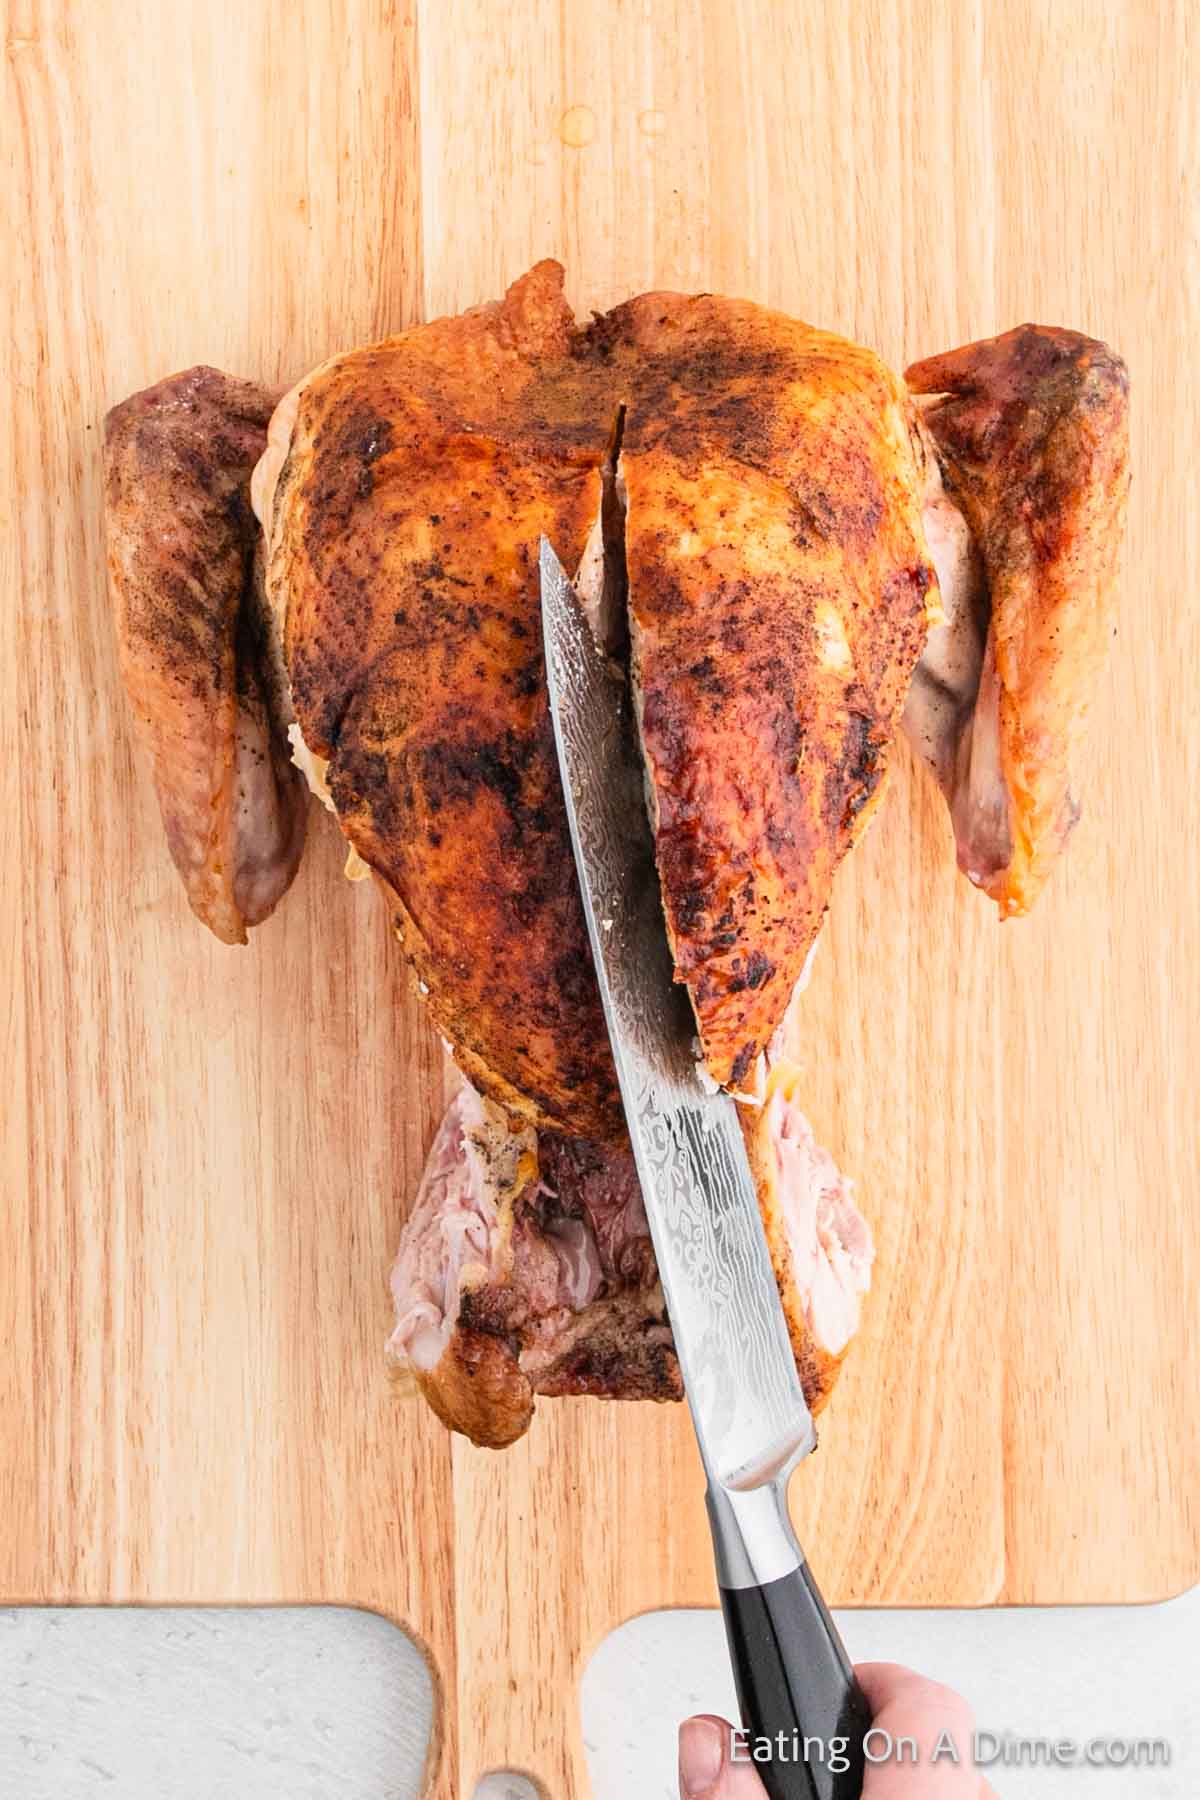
x=209 y=1152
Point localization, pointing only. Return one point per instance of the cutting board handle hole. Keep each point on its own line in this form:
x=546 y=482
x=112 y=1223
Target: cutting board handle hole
x=505 y=1784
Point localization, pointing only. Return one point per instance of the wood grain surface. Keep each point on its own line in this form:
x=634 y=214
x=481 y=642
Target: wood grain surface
x=209 y=1152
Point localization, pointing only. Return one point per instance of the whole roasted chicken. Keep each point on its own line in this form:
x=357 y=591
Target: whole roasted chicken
x=793 y=554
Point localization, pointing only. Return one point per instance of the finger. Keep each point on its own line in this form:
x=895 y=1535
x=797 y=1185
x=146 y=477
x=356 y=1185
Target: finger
x=705 y=1769
x=920 y=1730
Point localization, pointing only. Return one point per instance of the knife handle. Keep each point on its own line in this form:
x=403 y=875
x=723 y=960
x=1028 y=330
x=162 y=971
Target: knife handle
x=793 y=1676
x=790 y=1667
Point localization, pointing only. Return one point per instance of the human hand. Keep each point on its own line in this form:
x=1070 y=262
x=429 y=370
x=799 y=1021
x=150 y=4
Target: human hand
x=903 y=1705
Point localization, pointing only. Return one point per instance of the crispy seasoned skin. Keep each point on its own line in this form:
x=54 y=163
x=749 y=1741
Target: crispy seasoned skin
x=181 y=558
x=778 y=587
x=780 y=592
x=526 y=1267
x=404 y=497
x=1031 y=430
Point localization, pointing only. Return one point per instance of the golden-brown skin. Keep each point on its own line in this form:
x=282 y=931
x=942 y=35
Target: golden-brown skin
x=403 y=535
x=1032 y=433
x=181 y=554
x=779 y=590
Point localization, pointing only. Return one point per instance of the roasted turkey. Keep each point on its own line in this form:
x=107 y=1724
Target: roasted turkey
x=790 y=554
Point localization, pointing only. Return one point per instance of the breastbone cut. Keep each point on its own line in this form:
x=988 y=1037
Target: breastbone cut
x=754 y=485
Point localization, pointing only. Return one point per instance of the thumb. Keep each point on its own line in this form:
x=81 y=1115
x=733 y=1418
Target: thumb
x=705 y=1769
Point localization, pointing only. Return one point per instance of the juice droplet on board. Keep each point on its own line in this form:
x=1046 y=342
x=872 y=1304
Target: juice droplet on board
x=652 y=123
x=577 y=126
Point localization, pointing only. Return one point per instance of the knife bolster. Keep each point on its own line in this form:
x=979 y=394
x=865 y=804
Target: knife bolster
x=753 y=1540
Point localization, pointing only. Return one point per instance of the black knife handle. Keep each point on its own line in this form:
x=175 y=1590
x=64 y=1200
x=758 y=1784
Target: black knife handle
x=793 y=1677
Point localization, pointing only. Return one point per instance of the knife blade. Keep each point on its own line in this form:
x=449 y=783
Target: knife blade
x=752 y=1422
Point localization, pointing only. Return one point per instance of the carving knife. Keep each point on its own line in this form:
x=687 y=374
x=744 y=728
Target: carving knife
x=796 y=1689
